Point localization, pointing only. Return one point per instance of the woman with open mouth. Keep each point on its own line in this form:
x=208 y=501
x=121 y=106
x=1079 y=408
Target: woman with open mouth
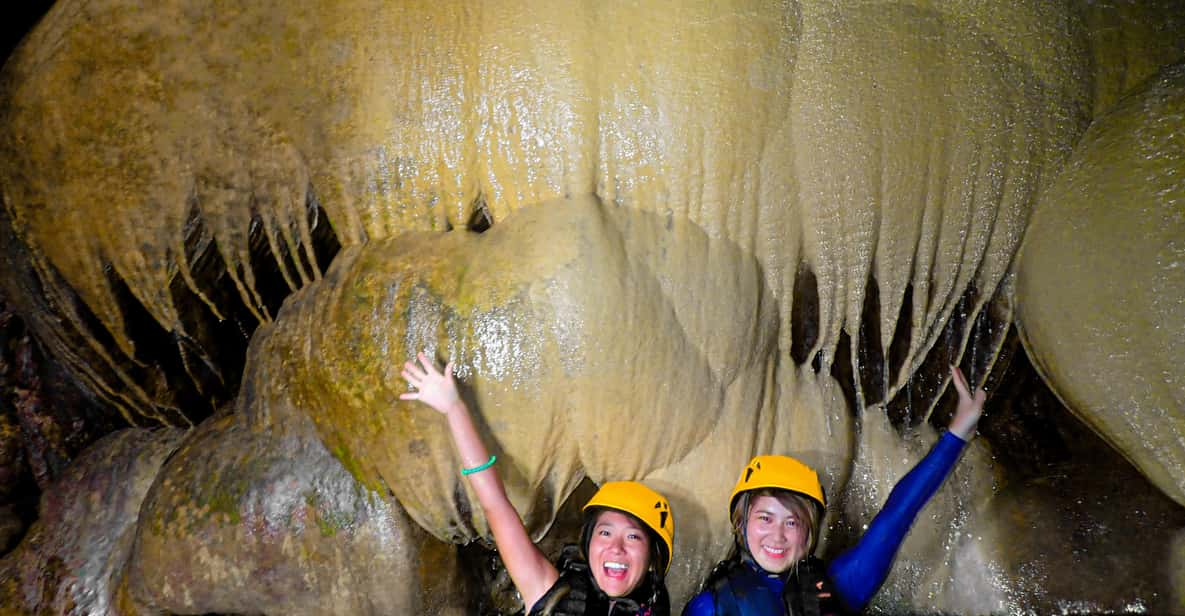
x=776 y=508
x=625 y=546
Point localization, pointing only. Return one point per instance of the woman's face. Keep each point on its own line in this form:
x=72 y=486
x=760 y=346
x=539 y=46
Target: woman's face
x=618 y=553
x=775 y=535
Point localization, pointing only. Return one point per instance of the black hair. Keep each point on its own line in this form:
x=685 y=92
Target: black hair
x=653 y=588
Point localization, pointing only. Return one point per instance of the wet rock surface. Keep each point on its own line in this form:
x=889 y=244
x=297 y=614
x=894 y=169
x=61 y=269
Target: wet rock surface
x=73 y=556
x=46 y=421
x=1077 y=502
x=244 y=521
x=800 y=215
x=1102 y=277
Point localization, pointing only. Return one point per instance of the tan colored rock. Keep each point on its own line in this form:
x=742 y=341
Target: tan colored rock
x=243 y=521
x=1102 y=277
x=896 y=146
x=901 y=141
x=596 y=341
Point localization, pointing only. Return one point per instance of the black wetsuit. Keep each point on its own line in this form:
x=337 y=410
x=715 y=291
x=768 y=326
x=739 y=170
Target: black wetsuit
x=576 y=594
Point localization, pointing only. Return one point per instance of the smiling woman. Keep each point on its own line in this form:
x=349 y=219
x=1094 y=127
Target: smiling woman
x=618 y=552
x=779 y=527
x=776 y=507
x=625 y=548
x=621 y=562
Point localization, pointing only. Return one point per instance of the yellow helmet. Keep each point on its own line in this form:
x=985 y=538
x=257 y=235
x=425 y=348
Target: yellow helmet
x=779 y=472
x=649 y=506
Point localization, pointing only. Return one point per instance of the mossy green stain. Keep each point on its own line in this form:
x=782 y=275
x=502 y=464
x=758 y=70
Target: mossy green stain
x=216 y=497
x=226 y=503
x=327 y=521
x=354 y=467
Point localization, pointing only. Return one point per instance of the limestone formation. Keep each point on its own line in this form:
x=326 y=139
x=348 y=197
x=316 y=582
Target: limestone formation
x=1102 y=280
x=657 y=237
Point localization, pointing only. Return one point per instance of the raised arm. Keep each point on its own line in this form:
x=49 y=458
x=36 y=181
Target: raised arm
x=529 y=568
x=859 y=572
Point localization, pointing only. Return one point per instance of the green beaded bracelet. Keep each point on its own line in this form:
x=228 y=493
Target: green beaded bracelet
x=478 y=469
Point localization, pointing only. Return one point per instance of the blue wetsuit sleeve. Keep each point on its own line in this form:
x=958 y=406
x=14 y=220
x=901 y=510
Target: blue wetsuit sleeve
x=701 y=605
x=859 y=572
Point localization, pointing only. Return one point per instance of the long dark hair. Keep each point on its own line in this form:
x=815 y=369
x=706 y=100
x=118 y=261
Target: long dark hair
x=652 y=591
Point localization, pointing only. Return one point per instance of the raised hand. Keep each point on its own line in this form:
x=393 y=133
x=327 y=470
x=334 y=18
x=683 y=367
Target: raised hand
x=970 y=407
x=432 y=387
x=528 y=566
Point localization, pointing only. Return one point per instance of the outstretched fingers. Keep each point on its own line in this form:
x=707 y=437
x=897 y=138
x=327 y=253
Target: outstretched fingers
x=431 y=386
x=413 y=382
x=416 y=373
x=428 y=363
x=970 y=406
x=960 y=382
x=964 y=388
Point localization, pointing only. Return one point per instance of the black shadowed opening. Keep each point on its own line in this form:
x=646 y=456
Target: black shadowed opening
x=841 y=371
x=902 y=335
x=804 y=317
x=871 y=358
x=909 y=407
x=481 y=220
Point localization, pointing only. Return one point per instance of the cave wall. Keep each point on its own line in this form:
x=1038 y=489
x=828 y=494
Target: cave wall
x=742 y=228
